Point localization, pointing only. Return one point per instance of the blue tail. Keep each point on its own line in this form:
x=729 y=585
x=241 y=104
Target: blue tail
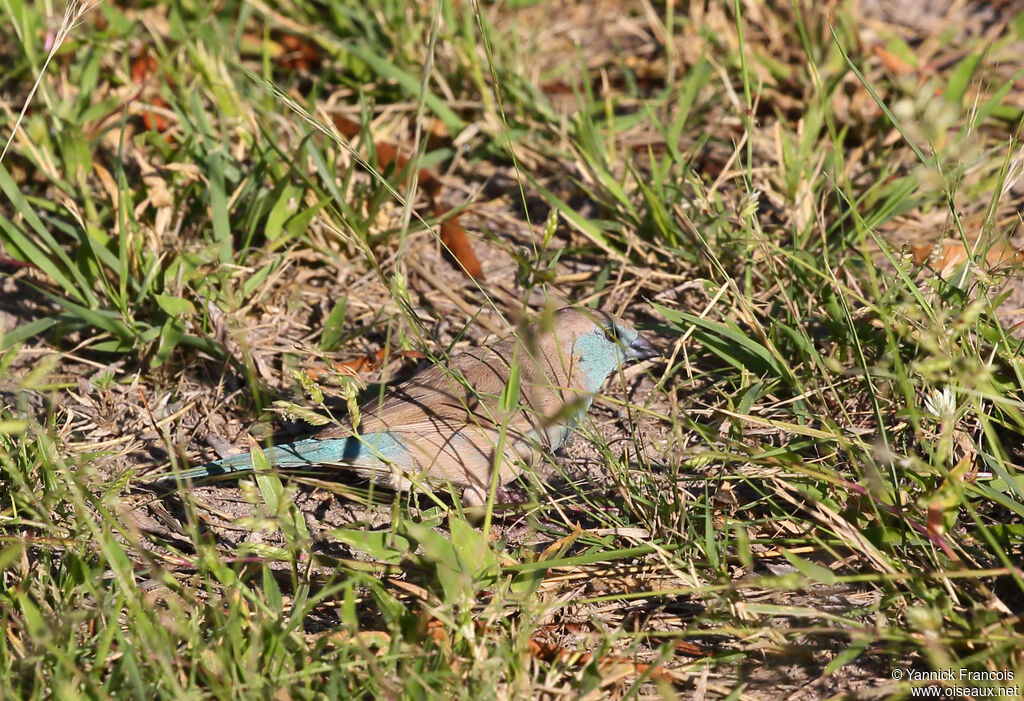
x=372 y=450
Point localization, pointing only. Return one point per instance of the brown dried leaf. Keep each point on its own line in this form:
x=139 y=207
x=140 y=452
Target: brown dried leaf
x=891 y=61
x=457 y=243
x=300 y=54
x=453 y=236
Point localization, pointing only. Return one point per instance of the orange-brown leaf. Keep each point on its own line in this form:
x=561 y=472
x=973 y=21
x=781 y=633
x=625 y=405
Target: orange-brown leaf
x=371 y=363
x=891 y=61
x=154 y=121
x=455 y=239
x=143 y=66
x=453 y=236
x=300 y=54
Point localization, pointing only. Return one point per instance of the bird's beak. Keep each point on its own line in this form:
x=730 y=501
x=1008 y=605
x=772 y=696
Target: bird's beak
x=641 y=349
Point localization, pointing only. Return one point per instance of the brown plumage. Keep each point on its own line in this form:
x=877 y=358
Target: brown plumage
x=456 y=425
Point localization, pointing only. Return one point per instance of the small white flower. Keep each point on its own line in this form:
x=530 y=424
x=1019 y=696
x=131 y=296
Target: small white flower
x=941 y=404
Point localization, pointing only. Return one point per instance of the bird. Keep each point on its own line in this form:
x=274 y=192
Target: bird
x=495 y=407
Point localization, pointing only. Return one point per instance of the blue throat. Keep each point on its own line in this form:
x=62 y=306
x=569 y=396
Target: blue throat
x=598 y=358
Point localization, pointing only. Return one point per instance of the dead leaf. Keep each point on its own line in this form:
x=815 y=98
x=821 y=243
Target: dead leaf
x=155 y=121
x=143 y=68
x=892 y=62
x=300 y=54
x=453 y=236
x=371 y=363
x=456 y=241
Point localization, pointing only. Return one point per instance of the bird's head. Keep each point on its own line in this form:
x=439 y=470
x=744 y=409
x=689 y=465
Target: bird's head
x=592 y=344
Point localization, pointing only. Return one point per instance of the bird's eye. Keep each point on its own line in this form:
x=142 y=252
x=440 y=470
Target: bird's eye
x=612 y=333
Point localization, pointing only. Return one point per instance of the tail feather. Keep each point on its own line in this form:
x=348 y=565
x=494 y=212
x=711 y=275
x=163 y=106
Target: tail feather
x=236 y=464
x=312 y=452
